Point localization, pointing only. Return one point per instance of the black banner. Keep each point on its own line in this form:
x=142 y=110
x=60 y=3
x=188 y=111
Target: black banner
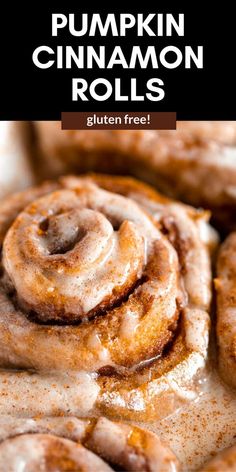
x=77 y=58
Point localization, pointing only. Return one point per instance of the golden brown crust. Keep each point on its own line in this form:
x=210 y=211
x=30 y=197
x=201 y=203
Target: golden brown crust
x=142 y=348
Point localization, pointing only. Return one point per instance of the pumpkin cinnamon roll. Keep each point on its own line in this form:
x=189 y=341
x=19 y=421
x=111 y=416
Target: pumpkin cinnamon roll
x=195 y=164
x=72 y=444
x=225 y=461
x=104 y=299
x=226 y=309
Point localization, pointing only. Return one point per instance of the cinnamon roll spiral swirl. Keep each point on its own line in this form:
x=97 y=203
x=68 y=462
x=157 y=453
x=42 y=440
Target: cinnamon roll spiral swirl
x=108 y=281
x=72 y=444
x=226 y=309
x=195 y=164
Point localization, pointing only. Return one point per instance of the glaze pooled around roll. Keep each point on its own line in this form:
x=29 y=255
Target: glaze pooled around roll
x=72 y=444
x=195 y=163
x=104 y=278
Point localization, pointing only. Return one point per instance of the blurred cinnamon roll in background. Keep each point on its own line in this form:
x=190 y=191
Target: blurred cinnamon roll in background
x=105 y=292
x=225 y=285
x=15 y=167
x=73 y=445
x=196 y=163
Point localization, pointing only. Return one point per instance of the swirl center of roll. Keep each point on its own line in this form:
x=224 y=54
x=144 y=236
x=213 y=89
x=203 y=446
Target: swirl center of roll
x=75 y=253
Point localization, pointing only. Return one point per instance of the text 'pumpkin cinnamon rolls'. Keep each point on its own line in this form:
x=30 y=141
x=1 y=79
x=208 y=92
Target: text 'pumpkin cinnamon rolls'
x=196 y=163
x=226 y=309
x=72 y=444
x=108 y=281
